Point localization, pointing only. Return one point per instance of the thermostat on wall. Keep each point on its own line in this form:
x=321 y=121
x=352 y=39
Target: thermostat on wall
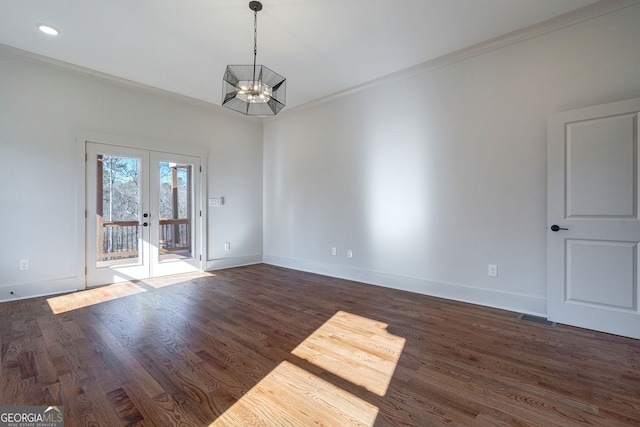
x=216 y=201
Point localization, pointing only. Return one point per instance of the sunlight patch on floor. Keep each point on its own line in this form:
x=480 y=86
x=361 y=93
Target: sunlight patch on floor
x=81 y=299
x=161 y=282
x=97 y=295
x=355 y=348
x=289 y=395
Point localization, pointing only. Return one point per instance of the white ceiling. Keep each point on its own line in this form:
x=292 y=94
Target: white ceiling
x=322 y=47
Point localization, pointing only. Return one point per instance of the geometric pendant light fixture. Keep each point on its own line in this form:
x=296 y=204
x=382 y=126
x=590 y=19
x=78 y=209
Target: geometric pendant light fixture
x=254 y=90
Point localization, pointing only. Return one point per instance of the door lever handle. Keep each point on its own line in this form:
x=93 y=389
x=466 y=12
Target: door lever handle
x=555 y=227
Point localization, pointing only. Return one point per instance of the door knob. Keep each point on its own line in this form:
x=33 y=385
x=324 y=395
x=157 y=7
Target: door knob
x=145 y=215
x=144 y=224
x=555 y=227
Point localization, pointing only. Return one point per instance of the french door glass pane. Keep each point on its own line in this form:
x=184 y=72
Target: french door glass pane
x=175 y=212
x=117 y=210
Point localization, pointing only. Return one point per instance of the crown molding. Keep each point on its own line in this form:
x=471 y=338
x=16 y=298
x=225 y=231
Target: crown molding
x=34 y=58
x=586 y=13
x=602 y=7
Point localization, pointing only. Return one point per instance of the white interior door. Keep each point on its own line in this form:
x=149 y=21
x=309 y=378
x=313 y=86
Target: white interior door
x=143 y=214
x=593 y=218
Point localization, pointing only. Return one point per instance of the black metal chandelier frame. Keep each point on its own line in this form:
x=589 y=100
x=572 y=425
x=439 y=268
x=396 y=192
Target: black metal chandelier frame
x=254 y=90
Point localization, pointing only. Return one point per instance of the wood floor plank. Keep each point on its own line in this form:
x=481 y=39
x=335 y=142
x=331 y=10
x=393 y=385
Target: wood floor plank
x=263 y=345
x=124 y=407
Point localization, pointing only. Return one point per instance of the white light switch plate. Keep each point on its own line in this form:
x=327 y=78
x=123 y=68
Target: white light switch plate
x=216 y=201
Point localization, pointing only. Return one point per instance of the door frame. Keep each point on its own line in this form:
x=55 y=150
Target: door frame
x=178 y=148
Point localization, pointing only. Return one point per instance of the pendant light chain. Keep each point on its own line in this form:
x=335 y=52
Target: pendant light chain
x=255 y=43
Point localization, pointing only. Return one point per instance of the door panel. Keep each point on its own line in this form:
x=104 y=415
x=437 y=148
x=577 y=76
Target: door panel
x=593 y=184
x=141 y=219
x=117 y=181
x=174 y=246
x=601 y=262
x=601 y=172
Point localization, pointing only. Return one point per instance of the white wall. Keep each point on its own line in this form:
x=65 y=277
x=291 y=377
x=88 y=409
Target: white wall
x=431 y=178
x=41 y=108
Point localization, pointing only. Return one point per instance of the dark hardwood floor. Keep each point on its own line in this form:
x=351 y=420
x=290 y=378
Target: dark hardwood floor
x=262 y=345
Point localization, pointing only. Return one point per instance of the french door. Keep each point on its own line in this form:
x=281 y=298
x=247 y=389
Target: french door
x=142 y=214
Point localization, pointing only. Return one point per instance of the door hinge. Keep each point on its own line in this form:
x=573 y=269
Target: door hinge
x=86 y=214
x=200 y=213
x=200 y=168
x=86 y=157
x=200 y=257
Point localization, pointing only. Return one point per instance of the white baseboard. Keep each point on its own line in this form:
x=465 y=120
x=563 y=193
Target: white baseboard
x=73 y=284
x=219 y=264
x=490 y=298
x=40 y=289
x=486 y=297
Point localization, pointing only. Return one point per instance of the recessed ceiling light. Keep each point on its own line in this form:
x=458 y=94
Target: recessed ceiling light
x=48 y=29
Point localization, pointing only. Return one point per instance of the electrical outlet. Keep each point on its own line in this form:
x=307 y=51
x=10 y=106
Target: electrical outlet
x=349 y=253
x=24 y=264
x=493 y=270
x=227 y=246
